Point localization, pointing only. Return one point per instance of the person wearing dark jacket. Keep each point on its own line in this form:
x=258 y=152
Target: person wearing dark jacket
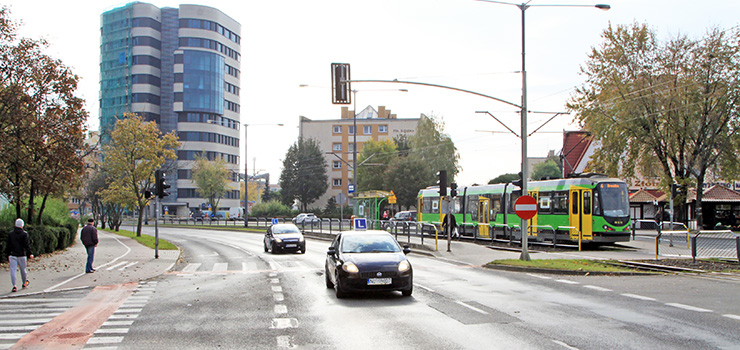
x=89 y=237
x=18 y=249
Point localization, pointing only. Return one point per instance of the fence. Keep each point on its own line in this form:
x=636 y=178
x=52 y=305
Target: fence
x=723 y=244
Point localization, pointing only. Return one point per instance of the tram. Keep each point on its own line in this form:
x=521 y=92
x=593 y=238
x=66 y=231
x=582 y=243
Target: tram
x=592 y=208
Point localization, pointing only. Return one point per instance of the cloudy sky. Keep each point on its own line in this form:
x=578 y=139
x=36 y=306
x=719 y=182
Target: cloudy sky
x=466 y=44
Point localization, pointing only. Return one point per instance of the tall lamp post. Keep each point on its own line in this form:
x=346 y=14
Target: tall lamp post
x=525 y=174
x=246 y=174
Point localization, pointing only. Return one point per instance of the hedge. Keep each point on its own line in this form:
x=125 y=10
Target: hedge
x=44 y=239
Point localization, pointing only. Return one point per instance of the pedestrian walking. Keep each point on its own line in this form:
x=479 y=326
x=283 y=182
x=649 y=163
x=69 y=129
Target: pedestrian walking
x=18 y=249
x=89 y=237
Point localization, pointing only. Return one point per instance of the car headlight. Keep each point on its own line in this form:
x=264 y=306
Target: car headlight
x=278 y=240
x=404 y=266
x=350 y=267
x=301 y=239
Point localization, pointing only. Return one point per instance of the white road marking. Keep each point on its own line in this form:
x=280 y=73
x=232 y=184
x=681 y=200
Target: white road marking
x=104 y=340
x=274 y=280
x=128 y=265
x=117 y=323
x=281 y=309
x=540 y=276
x=277 y=289
x=600 y=289
x=12 y=321
x=282 y=323
x=734 y=317
x=567 y=281
x=425 y=288
x=564 y=344
x=220 y=267
x=12 y=336
x=640 y=297
x=278 y=296
x=285 y=341
x=111 y=331
x=472 y=308
x=117 y=265
x=191 y=267
x=688 y=307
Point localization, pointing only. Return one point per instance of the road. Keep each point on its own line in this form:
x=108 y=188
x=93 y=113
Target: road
x=227 y=293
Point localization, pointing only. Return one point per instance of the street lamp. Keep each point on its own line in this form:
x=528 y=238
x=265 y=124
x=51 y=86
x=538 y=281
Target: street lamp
x=523 y=7
x=246 y=174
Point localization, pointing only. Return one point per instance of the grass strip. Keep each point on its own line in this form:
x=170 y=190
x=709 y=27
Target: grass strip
x=564 y=264
x=146 y=240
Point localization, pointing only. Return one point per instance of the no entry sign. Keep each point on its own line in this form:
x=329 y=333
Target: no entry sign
x=525 y=207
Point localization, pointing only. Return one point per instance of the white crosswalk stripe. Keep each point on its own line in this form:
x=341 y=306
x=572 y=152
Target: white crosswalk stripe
x=20 y=316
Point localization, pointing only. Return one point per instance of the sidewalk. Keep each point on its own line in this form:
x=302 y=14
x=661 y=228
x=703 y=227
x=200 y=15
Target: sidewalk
x=118 y=260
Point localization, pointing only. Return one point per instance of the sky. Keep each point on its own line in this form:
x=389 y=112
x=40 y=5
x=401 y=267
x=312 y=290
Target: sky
x=466 y=44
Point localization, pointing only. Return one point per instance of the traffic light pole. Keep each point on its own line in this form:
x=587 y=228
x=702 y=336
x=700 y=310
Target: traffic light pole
x=156 y=227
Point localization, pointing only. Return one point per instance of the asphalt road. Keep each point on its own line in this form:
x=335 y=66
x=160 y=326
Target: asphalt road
x=227 y=293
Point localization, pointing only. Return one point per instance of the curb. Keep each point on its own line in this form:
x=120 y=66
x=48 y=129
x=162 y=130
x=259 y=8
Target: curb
x=563 y=272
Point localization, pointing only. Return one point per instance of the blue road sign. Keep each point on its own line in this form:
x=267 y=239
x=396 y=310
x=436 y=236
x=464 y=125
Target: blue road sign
x=360 y=224
x=351 y=188
x=274 y=221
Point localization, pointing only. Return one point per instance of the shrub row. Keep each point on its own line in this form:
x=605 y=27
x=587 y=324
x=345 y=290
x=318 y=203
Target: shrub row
x=44 y=239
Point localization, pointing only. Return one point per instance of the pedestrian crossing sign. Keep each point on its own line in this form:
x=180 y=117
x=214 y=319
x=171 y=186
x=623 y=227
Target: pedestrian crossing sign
x=360 y=224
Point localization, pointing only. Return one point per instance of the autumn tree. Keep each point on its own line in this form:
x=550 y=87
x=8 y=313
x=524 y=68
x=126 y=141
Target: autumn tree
x=373 y=164
x=212 y=178
x=670 y=107
x=42 y=122
x=135 y=150
x=304 y=173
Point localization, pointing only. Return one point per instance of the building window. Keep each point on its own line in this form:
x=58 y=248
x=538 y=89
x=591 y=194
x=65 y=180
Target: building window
x=337 y=182
x=337 y=164
x=337 y=129
x=351 y=129
x=383 y=129
x=351 y=147
x=367 y=130
x=337 y=147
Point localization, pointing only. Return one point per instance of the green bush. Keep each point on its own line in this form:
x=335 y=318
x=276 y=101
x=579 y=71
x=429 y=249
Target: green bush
x=271 y=209
x=57 y=232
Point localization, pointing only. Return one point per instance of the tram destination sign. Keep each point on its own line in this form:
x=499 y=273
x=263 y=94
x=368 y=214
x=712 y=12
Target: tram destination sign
x=525 y=207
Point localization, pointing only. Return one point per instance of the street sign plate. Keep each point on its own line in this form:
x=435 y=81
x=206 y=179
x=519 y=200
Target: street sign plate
x=525 y=207
x=351 y=188
x=360 y=224
x=275 y=221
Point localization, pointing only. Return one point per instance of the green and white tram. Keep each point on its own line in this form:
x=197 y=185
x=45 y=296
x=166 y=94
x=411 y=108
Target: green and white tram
x=593 y=207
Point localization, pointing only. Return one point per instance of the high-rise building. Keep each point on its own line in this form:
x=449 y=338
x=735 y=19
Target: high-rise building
x=179 y=67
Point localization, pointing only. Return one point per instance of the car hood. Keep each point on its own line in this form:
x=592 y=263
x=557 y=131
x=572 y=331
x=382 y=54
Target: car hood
x=374 y=259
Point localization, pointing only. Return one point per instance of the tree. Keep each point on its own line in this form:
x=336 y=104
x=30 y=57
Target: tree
x=670 y=107
x=373 y=163
x=406 y=176
x=433 y=147
x=547 y=170
x=304 y=173
x=136 y=149
x=41 y=122
x=212 y=178
x=504 y=178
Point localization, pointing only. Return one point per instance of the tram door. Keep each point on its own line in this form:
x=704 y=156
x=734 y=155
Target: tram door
x=581 y=213
x=531 y=227
x=484 y=217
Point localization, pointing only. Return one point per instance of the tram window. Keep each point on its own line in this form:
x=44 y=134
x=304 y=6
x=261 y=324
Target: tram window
x=473 y=207
x=597 y=204
x=512 y=199
x=587 y=203
x=560 y=203
x=427 y=205
x=456 y=205
x=544 y=206
x=495 y=207
x=435 y=206
x=575 y=204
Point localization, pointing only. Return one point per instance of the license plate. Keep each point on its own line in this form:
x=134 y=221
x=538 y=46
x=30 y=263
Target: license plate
x=291 y=245
x=379 y=281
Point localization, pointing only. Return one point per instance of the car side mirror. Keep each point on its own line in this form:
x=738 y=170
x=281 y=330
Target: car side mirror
x=331 y=251
x=406 y=249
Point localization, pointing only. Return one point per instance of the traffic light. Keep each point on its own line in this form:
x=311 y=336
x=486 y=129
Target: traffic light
x=162 y=186
x=676 y=190
x=453 y=189
x=442 y=183
x=340 y=89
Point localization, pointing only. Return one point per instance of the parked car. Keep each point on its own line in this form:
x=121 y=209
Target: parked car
x=404 y=216
x=197 y=216
x=305 y=217
x=369 y=260
x=284 y=237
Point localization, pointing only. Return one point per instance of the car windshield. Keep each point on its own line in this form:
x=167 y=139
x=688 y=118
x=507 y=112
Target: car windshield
x=285 y=229
x=369 y=244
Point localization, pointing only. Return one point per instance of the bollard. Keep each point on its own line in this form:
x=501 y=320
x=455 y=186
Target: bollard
x=693 y=247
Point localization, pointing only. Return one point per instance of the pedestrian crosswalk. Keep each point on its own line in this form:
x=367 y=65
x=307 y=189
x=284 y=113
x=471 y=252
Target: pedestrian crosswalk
x=113 y=331
x=20 y=316
x=244 y=267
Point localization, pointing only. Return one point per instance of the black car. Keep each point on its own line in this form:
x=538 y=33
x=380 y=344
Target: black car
x=367 y=261
x=284 y=237
x=197 y=216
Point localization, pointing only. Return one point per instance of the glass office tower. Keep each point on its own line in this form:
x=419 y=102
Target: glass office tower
x=180 y=68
